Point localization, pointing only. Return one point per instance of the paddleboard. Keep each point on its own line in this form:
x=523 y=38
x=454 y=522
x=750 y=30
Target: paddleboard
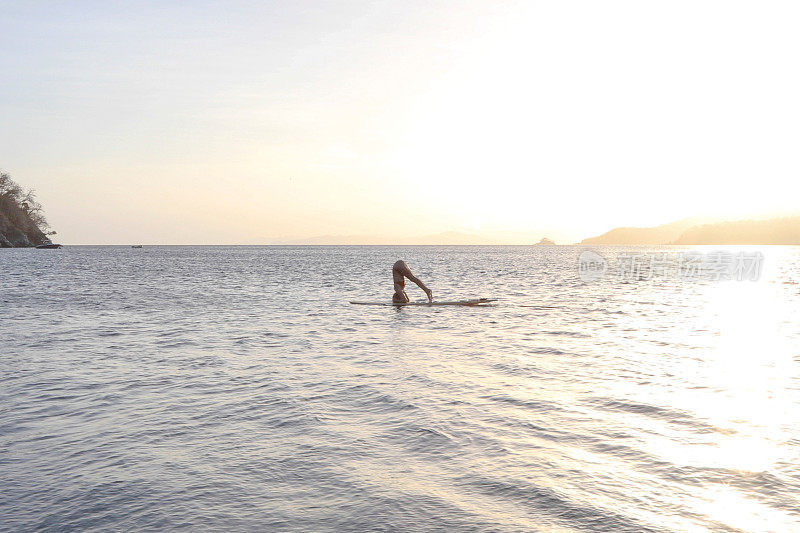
x=468 y=303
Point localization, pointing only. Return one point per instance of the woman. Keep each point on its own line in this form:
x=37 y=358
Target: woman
x=400 y=271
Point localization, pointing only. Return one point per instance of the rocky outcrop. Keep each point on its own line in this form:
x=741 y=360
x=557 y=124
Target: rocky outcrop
x=17 y=230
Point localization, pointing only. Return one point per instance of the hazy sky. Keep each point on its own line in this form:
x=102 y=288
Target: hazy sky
x=247 y=122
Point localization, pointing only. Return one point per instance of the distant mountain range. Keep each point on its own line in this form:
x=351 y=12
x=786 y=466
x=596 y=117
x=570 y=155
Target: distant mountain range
x=690 y=231
x=775 y=231
x=663 y=234
x=444 y=238
x=685 y=231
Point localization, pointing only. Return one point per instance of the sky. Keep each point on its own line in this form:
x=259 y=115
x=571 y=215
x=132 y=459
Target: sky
x=258 y=122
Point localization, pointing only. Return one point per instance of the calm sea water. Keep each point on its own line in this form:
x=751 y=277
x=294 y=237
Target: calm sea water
x=234 y=388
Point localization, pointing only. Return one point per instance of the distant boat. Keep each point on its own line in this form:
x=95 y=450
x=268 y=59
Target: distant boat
x=49 y=246
x=136 y=246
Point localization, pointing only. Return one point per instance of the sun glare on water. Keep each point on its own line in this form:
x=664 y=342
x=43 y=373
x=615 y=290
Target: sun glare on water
x=743 y=390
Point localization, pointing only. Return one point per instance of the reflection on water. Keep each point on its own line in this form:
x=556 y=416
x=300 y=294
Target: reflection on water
x=234 y=388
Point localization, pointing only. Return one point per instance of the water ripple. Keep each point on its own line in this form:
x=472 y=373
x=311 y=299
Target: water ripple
x=233 y=388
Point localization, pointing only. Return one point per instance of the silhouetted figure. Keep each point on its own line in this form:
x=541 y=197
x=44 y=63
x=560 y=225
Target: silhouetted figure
x=400 y=271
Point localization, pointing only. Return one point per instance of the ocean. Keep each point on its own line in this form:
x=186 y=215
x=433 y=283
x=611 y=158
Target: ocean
x=235 y=389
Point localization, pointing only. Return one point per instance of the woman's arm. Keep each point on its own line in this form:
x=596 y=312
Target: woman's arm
x=403 y=269
x=421 y=285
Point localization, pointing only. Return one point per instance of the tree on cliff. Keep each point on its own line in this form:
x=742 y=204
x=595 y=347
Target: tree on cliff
x=12 y=196
x=22 y=221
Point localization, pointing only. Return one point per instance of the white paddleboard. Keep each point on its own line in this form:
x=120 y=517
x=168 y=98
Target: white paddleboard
x=468 y=303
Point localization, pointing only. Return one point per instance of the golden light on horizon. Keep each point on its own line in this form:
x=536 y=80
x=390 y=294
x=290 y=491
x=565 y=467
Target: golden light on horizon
x=514 y=118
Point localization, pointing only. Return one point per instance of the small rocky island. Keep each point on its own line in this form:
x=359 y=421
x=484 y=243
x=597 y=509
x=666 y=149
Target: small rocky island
x=545 y=241
x=22 y=223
